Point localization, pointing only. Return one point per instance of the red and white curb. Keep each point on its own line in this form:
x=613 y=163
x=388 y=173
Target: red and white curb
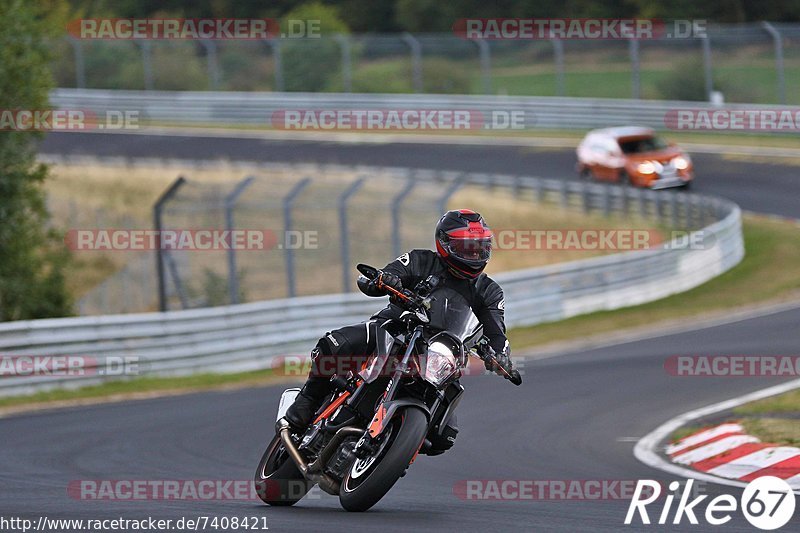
x=716 y=444
x=727 y=451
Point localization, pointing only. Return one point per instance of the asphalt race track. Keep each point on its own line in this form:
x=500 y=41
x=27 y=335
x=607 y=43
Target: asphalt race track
x=769 y=188
x=576 y=417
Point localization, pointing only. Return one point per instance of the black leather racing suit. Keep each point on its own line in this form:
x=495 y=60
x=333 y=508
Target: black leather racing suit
x=350 y=343
x=483 y=294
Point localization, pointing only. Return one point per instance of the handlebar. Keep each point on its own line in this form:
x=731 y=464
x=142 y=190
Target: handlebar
x=488 y=354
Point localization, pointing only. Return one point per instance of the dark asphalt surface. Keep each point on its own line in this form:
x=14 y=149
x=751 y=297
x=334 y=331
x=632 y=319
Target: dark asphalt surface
x=572 y=419
x=769 y=188
x=576 y=417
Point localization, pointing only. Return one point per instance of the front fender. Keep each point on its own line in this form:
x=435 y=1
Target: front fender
x=387 y=410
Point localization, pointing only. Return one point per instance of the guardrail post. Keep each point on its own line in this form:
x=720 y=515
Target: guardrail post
x=230 y=205
x=416 y=60
x=707 y=72
x=159 y=227
x=657 y=206
x=636 y=89
x=642 y=203
x=147 y=65
x=211 y=63
x=343 y=199
x=396 y=203
x=585 y=196
x=673 y=211
x=776 y=37
x=564 y=194
x=606 y=201
x=486 y=65
x=287 y=226
x=539 y=190
x=80 y=65
x=558 y=59
x=347 y=70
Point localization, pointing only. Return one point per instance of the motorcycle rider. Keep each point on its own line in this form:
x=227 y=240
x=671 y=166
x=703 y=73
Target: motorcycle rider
x=463 y=248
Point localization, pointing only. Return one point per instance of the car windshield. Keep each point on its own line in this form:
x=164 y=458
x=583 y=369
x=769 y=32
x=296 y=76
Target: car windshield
x=642 y=144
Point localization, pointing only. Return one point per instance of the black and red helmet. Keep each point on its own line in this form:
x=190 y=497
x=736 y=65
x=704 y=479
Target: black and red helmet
x=464 y=242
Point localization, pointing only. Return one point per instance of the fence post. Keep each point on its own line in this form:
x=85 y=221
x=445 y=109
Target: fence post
x=416 y=60
x=230 y=204
x=347 y=70
x=441 y=203
x=211 y=63
x=343 y=199
x=396 y=203
x=277 y=59
x=287 y=226
x=558 y=58
x=776 y=37
x=707 y=73
x=636 y=89
x=486 y=65
x=147 y=65
x=159 y=227
x=80 y=65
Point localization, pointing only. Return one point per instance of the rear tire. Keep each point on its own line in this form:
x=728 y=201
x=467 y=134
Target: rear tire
x=359 y=493
x=278 y=481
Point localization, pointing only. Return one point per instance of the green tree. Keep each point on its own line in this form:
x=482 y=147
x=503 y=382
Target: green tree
x=31 y=255
x=310 y=62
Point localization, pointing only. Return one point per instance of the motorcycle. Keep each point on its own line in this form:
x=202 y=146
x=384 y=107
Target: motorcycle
x=379 y=418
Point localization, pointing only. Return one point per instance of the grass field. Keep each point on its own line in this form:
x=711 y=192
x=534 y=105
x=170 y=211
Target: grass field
x=108 y=196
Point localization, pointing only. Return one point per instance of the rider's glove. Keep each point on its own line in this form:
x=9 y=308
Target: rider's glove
x=501 y=359
x=391 y=280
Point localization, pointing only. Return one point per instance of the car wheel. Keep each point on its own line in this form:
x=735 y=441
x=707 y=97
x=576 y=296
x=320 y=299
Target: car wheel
x=624 y=179
x=585 y=173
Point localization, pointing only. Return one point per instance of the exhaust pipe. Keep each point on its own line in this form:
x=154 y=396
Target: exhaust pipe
x=313 y=472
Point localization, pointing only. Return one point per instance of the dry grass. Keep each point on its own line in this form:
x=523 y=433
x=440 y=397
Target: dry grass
x=89 y=196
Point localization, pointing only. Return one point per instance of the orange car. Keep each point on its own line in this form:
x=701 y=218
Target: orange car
x=635 y=156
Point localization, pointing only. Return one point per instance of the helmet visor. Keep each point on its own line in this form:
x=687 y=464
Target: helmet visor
x=470 y=249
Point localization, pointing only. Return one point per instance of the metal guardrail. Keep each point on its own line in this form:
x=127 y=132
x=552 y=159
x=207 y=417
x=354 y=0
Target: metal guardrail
x=251 y=336
x=257 y=109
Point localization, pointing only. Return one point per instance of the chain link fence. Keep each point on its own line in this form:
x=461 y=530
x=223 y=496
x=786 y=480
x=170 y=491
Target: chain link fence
x=752 y=63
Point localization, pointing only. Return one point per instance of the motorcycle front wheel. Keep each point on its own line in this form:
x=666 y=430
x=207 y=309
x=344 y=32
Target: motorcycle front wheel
x=369 y=479
x=278 y=481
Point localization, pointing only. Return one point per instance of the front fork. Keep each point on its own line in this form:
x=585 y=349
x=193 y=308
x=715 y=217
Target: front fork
x=366 y=444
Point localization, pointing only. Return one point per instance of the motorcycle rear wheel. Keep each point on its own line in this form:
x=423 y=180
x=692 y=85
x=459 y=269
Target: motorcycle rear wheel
x=368 y=480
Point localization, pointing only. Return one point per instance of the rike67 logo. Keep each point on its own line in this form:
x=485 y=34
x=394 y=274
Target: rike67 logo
x=766 y=502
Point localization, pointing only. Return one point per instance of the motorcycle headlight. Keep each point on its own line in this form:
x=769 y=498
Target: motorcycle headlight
x=440 y=363
x=646 y=168
x=681 y=162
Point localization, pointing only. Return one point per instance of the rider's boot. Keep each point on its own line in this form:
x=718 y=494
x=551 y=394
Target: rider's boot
x=310 y=399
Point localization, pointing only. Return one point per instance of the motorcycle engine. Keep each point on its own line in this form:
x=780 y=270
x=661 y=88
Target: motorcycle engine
x=342 y=460
x=314 y=440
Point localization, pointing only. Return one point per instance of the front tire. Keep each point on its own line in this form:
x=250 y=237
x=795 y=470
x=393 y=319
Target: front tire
x=368 y=480
x=278 y=481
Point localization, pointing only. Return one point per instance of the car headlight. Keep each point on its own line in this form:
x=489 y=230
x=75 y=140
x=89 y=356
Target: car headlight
x=681 y=162
x=440 y=363
x=646 y=168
